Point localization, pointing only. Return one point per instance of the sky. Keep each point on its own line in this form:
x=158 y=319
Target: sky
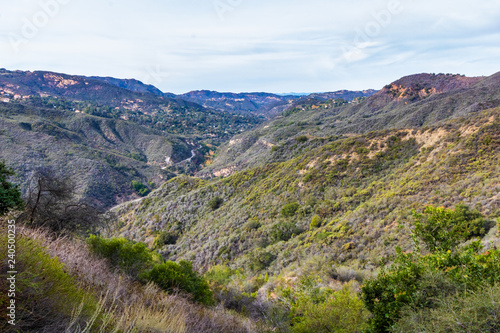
x=252 y=45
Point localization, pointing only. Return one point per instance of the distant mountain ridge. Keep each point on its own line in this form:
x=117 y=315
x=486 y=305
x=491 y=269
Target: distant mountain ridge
x=136 y=95
x=344 y=94
x=108 y=97
x=104 y=136
x=410 y=102
x=261 y=103
x=109 y=91
x=133 y=85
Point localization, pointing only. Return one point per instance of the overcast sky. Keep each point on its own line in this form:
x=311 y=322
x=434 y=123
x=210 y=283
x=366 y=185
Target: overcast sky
x=252 y=45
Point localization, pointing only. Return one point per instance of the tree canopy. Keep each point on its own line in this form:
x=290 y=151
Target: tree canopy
x=10 y=196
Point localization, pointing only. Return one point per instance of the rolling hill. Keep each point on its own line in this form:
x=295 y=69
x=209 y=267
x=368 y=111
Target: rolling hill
x=103 y=136
x=290 y=225
x=111 y=98
x=419 y=100
x=440 y=149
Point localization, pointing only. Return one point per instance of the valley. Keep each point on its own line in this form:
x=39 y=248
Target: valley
x=347 y=211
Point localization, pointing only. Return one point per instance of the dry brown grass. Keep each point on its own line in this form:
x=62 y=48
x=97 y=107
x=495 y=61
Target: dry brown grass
x=128 y=306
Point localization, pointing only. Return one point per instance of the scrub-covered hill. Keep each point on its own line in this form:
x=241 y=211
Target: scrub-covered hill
x=412 y=102
x=344 y=198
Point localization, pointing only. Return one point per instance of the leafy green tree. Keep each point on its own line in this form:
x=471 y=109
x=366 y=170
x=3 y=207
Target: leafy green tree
x=10 y=197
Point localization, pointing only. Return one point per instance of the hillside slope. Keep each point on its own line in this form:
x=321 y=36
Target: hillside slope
x=111 y=98
x=101 y=155
x=361 y=187
x=132 y=84
x=104 y=136
x=67 y=288
x=411 y=102
x=73 y=87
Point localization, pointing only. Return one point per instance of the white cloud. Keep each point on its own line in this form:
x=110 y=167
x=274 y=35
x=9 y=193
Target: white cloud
x=278 y=46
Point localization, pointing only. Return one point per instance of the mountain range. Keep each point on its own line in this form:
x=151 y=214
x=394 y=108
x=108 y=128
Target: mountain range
x=361 y=167
x=282 y=210
x=106 y=132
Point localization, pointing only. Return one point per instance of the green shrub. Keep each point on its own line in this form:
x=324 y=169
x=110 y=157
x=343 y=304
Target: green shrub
x=290 y=209
x=406 y=282
x=253 y=224
x=341 y=311
x=260 y=259
x=171 y=277
x=165 y=238
x=215 y=203
x=140 y=188
x=283 y=231
x=132 y=258
x=464 y=312
x=443 y=229
x=314 y=308
x=220 y=274
x=302 y=139
x=10 y=197
x=136 y=260
x=315 y=222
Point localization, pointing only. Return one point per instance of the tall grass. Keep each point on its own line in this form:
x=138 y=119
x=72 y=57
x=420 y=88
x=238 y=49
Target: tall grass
x=122 y=305
x=473 y=312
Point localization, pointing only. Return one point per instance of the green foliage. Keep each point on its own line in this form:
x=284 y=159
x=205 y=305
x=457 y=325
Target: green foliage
x=171 y=277
x=290 y=209
x=302 y=139
x=132 y=258
x=165 y=238
x=283 y=231
x=314 y=308
x=260 y=260
x=140 y=188
x=443 y=229
x=136 y=260
x=10 y=196
x=215 y=203
x=416 y=280
x=315 y=222
x=220 y=274
x=46 y=293
x=463 y=312
x=253 y=224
